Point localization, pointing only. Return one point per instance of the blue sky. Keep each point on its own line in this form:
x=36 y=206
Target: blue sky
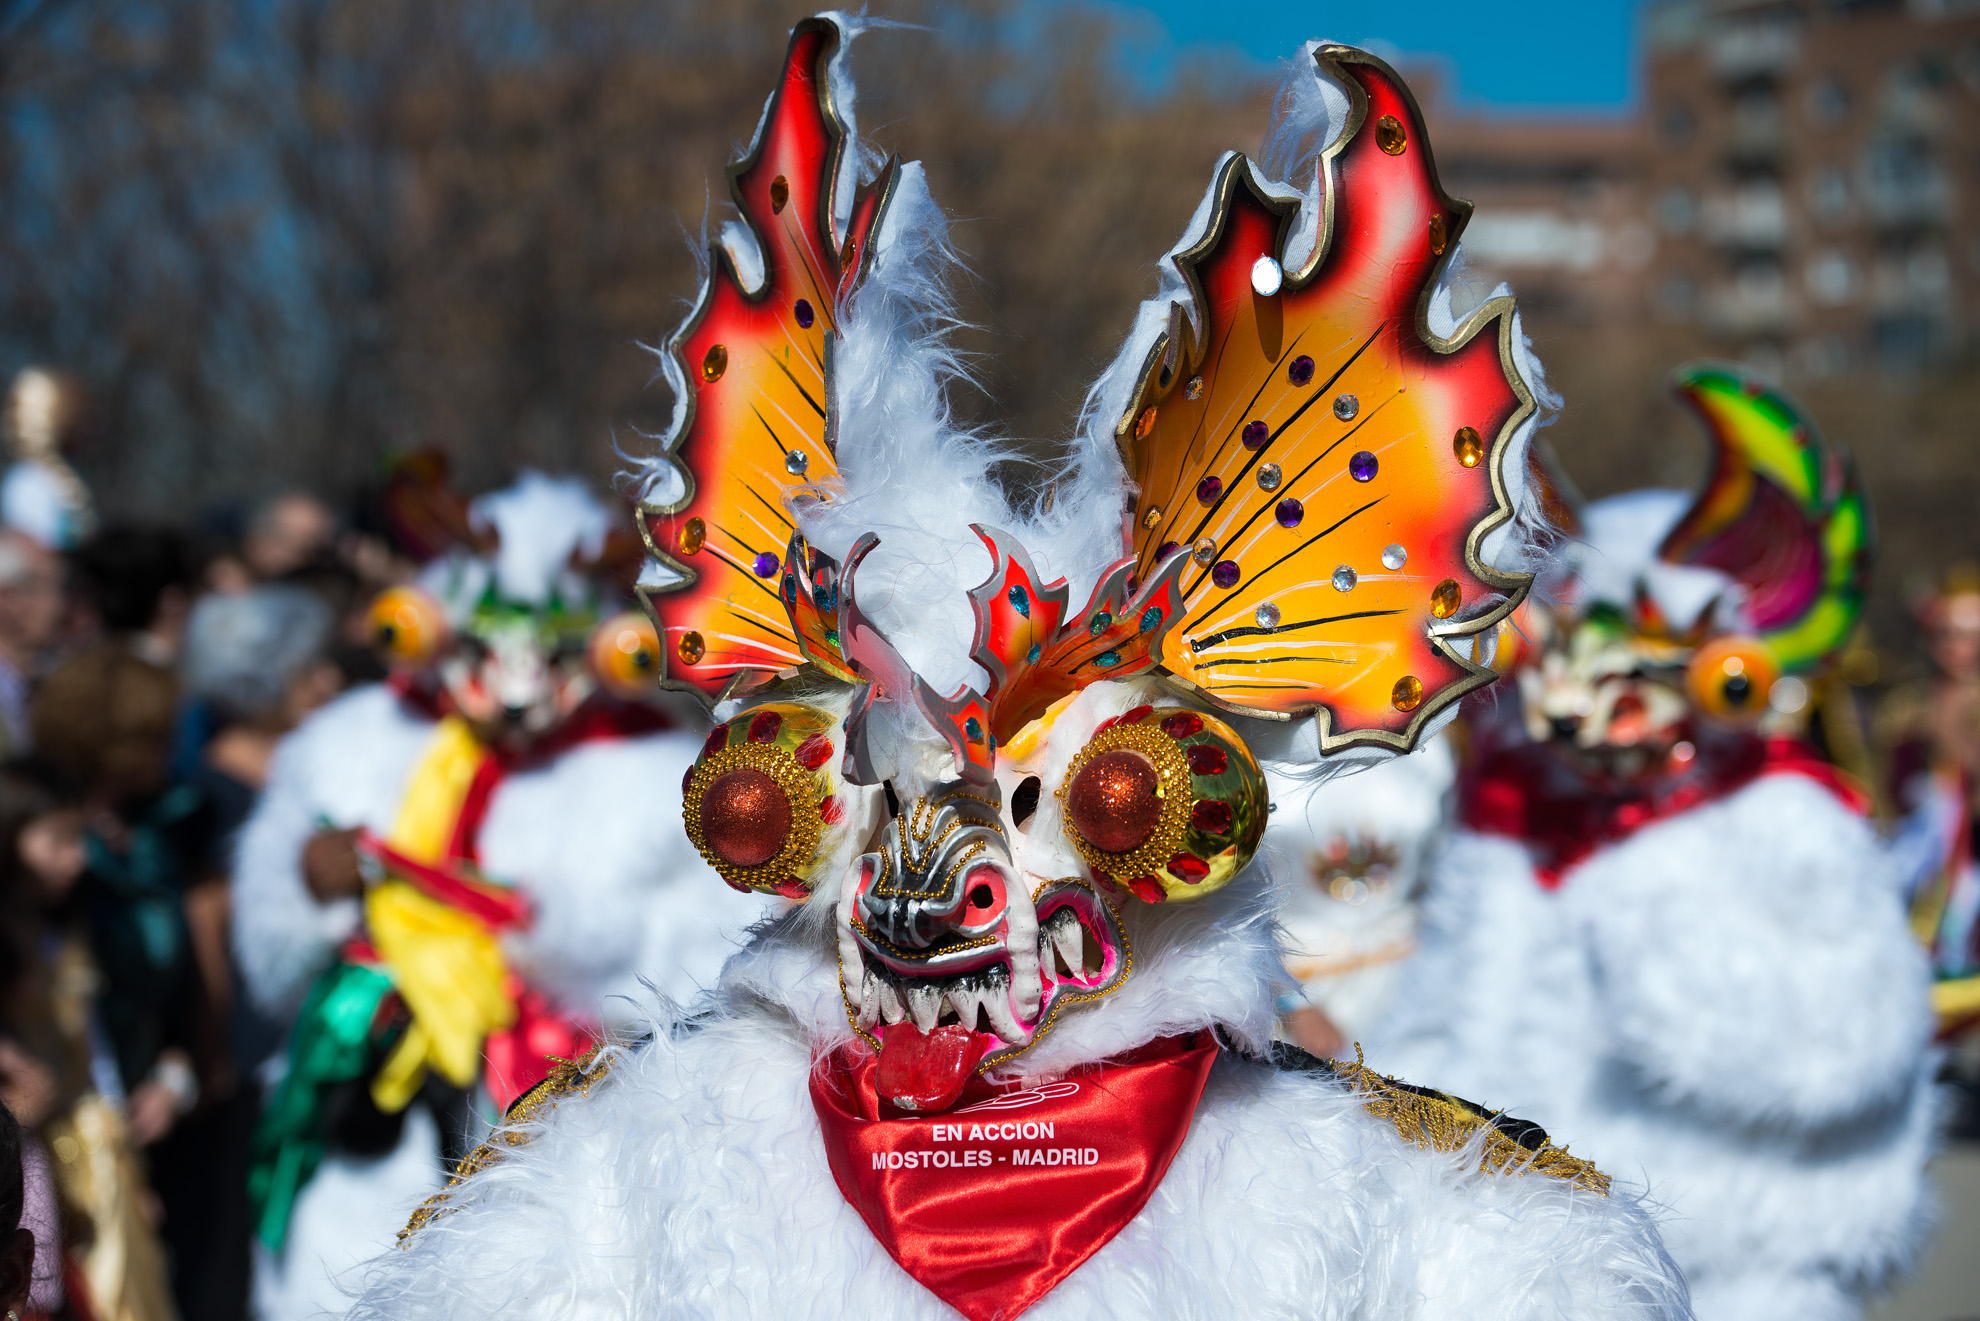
x=1503 y=54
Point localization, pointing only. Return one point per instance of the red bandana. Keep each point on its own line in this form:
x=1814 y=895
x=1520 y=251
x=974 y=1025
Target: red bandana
x=993 y=1203
x=1530 y=793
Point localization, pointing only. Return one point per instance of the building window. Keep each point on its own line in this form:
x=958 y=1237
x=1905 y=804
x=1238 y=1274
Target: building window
x=1677 y=211
x=1828 y=193
x=1675 y=125
x=1828 y=101
x=1831 y=278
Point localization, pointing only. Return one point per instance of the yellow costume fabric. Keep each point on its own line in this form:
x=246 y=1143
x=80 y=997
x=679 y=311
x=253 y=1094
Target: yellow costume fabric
x=446 y=964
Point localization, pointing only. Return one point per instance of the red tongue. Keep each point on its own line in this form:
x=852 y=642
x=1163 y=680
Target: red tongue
x=926 y=1070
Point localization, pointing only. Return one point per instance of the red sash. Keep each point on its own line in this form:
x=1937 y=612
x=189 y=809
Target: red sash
x=992 y=1204
x=1531 y=793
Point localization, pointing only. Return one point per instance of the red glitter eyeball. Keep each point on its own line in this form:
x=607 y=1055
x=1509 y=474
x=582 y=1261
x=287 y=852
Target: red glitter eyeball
x=745 y=817
x=1113 y=802
x=761 y=797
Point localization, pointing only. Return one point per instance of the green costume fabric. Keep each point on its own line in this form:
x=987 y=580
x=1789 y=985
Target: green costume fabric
x=333 y=1042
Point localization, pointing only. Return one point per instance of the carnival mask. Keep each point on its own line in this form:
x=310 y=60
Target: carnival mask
x=1757 y=580
x=511 y=639
x=1305 y=457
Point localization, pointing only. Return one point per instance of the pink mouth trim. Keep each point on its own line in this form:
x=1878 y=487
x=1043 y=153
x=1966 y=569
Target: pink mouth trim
x=1081 y=954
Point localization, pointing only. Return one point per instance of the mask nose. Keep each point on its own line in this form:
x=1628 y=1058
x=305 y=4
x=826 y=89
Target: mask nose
x=1565 y=727
x=921 y=891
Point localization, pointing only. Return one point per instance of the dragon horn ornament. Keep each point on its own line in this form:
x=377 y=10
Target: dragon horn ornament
x=1783 y=513
x=1314 y=469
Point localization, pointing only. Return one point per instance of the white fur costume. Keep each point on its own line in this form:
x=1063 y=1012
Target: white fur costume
x=592 y=837
x=1724 y=1009
x=688 y=1178
x=1351 y=921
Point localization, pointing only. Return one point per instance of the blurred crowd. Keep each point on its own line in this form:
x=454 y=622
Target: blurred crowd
x=146 y=674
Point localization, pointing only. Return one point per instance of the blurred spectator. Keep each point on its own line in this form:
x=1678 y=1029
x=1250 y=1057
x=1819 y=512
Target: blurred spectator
x=139 y=582
x=286 y=533
x=16 y=1241
x=42 y=496
x=57 y=1071
x=30 y=611
x=258 y=661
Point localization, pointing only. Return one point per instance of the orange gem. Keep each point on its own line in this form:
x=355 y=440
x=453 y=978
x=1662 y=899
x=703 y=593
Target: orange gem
x=1470 y=450
x=1408 y=694
x=1439 y=235
x=1389 y=135
x=1145 y=423
x=1444 y=599
x=780 y=193
x=691 y=648
x=694 y=533
x=715 y=363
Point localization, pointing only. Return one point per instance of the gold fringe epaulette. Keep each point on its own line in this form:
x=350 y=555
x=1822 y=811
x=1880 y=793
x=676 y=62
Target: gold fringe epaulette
x=570 y=1078
x=1443 y=1122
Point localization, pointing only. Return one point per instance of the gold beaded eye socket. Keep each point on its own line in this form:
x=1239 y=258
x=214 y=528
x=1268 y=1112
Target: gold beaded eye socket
x=1165 y=803
x=758 y=799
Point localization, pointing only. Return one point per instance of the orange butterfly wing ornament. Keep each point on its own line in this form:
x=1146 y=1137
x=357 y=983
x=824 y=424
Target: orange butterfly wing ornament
x=1329 y=465
x=736 y=594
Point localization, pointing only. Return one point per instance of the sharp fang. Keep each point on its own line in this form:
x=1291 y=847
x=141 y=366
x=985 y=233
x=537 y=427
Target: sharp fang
x=965 y=1000
x=891 y=1009
x=997 y=1005
x=869 y=999
x=924 y=1006
x=1069 y=939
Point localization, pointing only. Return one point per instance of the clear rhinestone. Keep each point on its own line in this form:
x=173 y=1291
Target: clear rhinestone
x=1394 y=557
x=1346 y=406
x=1266 y=276
x=1204 y=550
x=1344 y=579
x=795 y=463
x=1268 y=615
x=1269 y=477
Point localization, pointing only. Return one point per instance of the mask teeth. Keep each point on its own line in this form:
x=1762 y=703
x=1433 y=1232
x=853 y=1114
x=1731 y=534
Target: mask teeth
x=965 y=999
x=869 y=999
x=924 y=1006
x=891 y=1008
x=1063 y=935
x=997 y=1006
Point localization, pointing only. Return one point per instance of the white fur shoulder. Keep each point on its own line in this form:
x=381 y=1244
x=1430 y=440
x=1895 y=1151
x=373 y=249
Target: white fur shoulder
x=1754 y=961
x=346 y=765
x=691 y=1182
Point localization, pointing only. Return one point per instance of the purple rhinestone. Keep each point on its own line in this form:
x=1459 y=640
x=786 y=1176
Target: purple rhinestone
x=1301 y=370
x=1289 y=512
x=1168 y=548
x=1362 y=466
x=1208 y=490
x=1255 y=435
x=805 y=317
x=1225 y=575
x=766 y=564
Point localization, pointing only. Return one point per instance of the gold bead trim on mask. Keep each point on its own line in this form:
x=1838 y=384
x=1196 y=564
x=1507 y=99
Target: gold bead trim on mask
x=1173 y=787
x=915 y=827
x=804 y=790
